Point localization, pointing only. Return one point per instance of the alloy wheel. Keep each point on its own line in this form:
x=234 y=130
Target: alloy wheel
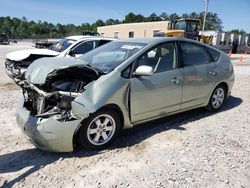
x=101 y=129
x=218 y=97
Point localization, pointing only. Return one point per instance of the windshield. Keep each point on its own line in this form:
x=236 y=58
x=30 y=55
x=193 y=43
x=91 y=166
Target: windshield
x=109 y=56
x=62 y=45
x=181 y=25
x=188 y=26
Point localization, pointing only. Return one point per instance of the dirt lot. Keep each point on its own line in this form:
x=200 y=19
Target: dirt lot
x=192 y=149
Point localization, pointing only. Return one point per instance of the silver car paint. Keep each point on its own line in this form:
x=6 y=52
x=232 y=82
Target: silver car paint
x=130 y=97
x=47 y=134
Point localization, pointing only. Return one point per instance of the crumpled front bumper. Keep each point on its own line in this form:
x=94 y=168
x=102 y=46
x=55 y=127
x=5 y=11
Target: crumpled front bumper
x=48 y=133
x=8 y=68
x=13 y=71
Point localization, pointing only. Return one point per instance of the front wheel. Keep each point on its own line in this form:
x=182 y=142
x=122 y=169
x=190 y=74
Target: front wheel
x=99 y=130
x=217 y=98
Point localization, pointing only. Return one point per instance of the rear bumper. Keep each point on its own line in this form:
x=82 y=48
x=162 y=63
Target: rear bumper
x=47 y=134
x=230 y=84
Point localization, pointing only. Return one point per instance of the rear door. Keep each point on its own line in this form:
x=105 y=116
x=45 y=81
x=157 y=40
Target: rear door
x=198 y=72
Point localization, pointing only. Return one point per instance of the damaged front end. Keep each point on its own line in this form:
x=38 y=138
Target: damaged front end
x=49 y=107
x=16 y=69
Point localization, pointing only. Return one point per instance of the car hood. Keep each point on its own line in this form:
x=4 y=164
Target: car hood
x=38 y=71
x=23 y=54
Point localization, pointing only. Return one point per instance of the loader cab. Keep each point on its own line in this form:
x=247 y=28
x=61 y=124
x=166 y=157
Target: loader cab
x=186 y=24
x=183 y=28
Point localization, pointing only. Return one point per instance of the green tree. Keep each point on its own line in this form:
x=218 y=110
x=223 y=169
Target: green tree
x=194 y=15
x=6 y=27
x=173 y=16
x=86 y=27
x=239 y=31
x=164 y=16
x=110 y=22
x=213 y=22
x=154 y=17
x=133 y=18
x=98 y=23
x=22 y=28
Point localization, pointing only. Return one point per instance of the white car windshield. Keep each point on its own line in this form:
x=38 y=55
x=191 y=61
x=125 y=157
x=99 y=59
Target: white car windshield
x=109 y=56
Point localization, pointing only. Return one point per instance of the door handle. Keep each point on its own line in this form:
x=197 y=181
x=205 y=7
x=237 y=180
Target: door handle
x=176 y=80
x=214 y=73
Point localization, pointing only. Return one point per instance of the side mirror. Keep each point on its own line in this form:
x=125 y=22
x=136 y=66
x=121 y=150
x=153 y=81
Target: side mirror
x=144 y=70
x=72 y=53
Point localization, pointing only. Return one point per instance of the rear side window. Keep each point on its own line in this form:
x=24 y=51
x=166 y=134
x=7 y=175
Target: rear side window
x=215 y=55
x=84 y=47
x=102 y=42
x=193 y=54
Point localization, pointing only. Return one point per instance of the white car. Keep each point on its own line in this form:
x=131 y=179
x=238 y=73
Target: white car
x=17 y=62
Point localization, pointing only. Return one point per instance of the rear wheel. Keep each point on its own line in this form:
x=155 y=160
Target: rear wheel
x=99 y=130
x=217 y=99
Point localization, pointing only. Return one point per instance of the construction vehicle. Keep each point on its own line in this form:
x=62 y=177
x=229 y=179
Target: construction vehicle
x=185 y=28
x=4 y=39
x=90 y=33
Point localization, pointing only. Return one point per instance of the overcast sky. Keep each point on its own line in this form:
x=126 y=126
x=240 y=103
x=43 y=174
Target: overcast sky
x=234 y=13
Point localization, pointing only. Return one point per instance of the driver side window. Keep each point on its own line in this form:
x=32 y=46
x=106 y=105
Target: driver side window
x=162 y=58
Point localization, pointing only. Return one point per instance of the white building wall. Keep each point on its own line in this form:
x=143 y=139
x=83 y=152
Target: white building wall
x=144 y=29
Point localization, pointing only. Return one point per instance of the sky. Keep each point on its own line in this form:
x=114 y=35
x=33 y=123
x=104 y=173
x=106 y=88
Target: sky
x=235 y=14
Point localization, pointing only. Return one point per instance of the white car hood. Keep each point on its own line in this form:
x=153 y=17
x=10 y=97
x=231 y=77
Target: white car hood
x=23 y=54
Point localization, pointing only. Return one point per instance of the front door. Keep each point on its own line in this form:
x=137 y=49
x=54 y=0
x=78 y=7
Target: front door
x=159 y=94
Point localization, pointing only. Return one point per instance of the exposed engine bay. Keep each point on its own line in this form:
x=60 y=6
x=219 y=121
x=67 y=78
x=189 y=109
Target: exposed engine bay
x=55 y=96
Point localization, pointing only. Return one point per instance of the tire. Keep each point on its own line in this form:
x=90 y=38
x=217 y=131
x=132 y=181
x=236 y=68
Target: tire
x=217 y=99
x=99 y=130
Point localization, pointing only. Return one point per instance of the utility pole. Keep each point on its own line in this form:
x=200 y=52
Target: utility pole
x=205 y=15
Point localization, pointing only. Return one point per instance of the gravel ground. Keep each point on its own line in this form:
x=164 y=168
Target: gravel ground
x=192 y=149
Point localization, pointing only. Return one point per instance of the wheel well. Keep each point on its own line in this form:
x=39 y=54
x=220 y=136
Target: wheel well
x=117 y=109
x=108 y=107
x=224 y=84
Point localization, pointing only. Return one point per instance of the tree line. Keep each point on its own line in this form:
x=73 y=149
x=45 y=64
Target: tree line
x=17 y=28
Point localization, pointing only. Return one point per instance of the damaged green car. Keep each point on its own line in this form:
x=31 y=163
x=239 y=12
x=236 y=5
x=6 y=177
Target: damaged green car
x=87 y=101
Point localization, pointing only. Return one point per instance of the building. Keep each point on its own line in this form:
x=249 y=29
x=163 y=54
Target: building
x=222 y=40
x=133 y=30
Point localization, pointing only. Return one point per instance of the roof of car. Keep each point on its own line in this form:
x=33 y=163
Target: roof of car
x=146 y=40
x=78 y=37
x=152 y=40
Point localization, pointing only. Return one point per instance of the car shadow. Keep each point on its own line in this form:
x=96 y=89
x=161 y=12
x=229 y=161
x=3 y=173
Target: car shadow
x=135 y=135
x=35 y=159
